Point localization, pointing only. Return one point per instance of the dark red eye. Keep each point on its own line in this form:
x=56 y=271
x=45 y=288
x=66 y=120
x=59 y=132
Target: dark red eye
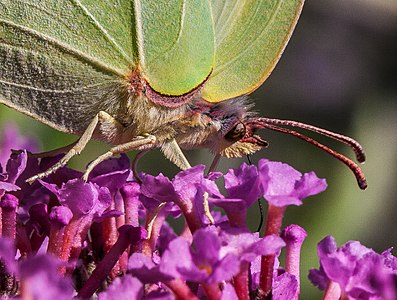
x=237 y=132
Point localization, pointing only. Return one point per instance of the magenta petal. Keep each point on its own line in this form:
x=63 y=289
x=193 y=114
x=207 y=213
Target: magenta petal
x=243 y=183
x=143 y=267
x=281 y=185
x=284 y=287
x=82 y=198
x=318 y=278
x=360 y=272
x=61 y=215
x=42 y=281
x=16 y=165
x=310 y=185
x=112 y=165
x=187 y=182
x=229 y=293
x=126 y=287
x=177 y=262
x=8 y=187
x=112 y=173
x=51 y=187
x=12 y=140
x=226 y=268
x=159 y=188
x=206 y=245
x=7 y=254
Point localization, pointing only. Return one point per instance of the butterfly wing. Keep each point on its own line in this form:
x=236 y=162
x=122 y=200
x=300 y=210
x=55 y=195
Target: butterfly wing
x=63 y=61
x=177 y=44
x=250 y=37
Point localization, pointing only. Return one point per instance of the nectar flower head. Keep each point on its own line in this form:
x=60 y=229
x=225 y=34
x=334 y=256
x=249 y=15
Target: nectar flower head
x=123 y=288
x=111 y=173
x=82 y=198
x=41 y=280
x=282 y=185
x=215 y=255
x=242 y=183
x=11 y=139
x=360 y=272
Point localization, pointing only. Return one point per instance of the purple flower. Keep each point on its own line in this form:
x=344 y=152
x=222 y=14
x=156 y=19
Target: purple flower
x=12 y=140
x=145 y=269
x=60 y=215
x=359 y=271
x=130 y=192
x=123 y=288
x=111 y=173
x=281 y=185
x=285 y=287
x=88 y=202
x=81 y=198
x=242 y=183
x=214 y=255
x=167 y=234
x=41 y=280
x=242 y=186
x=229 y=293
x=186 y=190
x=246 y=245
x=211 y=261
x=38 y=274
x=293 y=235
x=390 y=259
x=61 y=176
x=179 y=261
x=160 y=294
x=7 y=254
x=15 y=166
x=181 y=189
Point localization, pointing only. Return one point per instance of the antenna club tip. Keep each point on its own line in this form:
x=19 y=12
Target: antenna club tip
x=361 y=158
x=362 y=183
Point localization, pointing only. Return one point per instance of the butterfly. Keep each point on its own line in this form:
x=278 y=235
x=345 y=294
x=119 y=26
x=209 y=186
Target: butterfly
x=148 y=74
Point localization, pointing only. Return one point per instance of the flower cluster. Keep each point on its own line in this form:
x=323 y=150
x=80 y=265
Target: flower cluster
x=355 y=271
x=109 y=237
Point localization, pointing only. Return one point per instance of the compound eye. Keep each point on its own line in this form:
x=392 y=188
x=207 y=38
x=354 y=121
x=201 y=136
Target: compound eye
x=237 y=132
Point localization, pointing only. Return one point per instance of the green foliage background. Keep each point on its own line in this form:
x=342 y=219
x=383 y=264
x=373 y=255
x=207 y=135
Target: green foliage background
x=339 y=72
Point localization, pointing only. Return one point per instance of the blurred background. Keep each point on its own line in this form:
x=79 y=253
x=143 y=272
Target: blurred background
x=338 y=72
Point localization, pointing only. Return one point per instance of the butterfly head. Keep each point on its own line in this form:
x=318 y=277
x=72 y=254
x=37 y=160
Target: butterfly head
x=230 y=128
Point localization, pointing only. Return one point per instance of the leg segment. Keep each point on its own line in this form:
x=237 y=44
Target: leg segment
x=102 y=118
x=53 y=152
x=136 y=143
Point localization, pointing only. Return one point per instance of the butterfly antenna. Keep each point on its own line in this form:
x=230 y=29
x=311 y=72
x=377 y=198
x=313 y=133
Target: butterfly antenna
x=357 y=148
x=362 y=183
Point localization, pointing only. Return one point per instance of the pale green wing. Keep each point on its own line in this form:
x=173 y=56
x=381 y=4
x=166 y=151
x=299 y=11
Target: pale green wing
x=249 y=39
x=62 y=61
x=176 y=42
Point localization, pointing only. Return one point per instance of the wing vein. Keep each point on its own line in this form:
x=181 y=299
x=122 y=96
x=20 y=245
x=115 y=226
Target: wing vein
x=222 y=33
x=24 y=86
x=104 y=31
x=66 y=48
x=246 y=48
x=180 y=32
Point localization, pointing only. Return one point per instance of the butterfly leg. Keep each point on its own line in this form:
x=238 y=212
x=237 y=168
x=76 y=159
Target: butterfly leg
x=136 y=143
x=53 y=152
x=75 y=148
